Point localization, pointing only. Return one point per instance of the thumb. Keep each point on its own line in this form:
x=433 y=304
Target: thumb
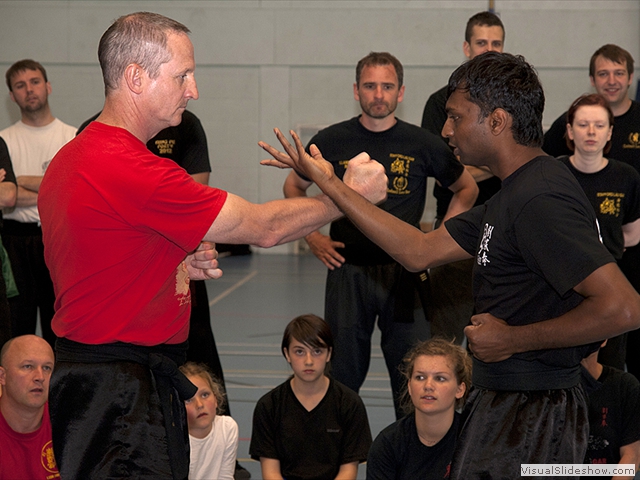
x=315 y=151
x=362 y=157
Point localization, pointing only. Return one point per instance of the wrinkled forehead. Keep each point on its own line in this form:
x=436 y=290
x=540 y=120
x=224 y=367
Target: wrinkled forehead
x=21 y=350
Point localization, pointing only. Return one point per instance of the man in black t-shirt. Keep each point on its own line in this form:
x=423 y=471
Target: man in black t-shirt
x=8 y=193
x=544 y=285
x=452 y=301
x=364 y=284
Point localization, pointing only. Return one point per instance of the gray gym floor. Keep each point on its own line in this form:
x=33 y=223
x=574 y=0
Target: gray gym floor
x=250 y=306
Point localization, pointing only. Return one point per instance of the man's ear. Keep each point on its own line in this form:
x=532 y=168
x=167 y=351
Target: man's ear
x=133 y=76
x=3 y=376
x=498 y=121
x=466 y=48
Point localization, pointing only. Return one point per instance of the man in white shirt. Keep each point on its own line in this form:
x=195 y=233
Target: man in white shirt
x=32 y=142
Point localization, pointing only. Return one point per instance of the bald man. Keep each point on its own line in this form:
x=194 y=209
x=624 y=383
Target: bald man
x=26 y=363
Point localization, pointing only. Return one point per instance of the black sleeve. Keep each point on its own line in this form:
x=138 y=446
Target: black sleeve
x=195 y=158
x=263 y=443
x=465 y=228
x=434 y=115
x=630 y=409
x=87 y=122
x=5 y=162
x=632 y=200
x=357 y=440
x=447 y=168
x=554 y=143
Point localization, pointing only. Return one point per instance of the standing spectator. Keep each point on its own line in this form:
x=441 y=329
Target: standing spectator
x=8 y=193
x=32 y=143
x=364 y=284
x=451 y=294
x=612 y=187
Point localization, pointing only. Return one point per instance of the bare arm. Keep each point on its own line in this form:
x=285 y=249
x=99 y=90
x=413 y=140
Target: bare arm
x=202 y=177
x=321 y=245
x=479 y=173
x=8 y=191
x=412 y=248
x=30 y=182
x=629 y=454
x=348 y=471
x=281 y=221
x=25 y=196
x=465 y=192
x=631 y=233
x=270 y=468
x=610 y=307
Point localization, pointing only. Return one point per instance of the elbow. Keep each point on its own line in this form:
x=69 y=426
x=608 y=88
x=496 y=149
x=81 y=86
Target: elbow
x=634 y=314
x=9 y=200
x=268 y=239
x=629 y=316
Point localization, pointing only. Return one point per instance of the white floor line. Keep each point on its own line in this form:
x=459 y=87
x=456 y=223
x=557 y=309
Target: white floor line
x=232 y=288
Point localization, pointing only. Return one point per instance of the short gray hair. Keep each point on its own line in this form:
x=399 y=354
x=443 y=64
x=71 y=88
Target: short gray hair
x=136 y=38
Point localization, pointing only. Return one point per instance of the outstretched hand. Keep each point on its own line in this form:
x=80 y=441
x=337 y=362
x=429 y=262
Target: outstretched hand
x=202 y=264
x=313 y=166
x=364 y=175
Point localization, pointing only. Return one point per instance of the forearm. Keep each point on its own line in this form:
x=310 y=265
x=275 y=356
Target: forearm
x=479 y=173
x=348 y=471
x=631 y=233
x=613 y=311
x=29 y=182
x=408 y=245
x=8 y=194
x=465 y=193
x=296 y=187
x=271 y=223
x=629 y=454
x=270 y=468
x=26 y=198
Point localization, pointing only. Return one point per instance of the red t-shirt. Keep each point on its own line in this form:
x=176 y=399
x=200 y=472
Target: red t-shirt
x=27 y=455
x=117 y=223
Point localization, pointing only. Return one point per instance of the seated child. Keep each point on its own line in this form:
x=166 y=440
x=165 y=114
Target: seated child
x=421 y=444
x=309 y=427
x=614 y=414
x=213 y=438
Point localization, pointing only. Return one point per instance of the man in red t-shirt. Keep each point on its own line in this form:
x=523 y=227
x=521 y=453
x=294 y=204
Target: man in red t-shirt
x=120 y=228
x=26 y=363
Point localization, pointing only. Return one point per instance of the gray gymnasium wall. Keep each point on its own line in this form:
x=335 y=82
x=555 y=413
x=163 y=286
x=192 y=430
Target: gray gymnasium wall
x=268 y=63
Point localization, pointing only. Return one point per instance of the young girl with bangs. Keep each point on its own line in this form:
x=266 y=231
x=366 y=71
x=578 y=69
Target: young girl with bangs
x=309 y=427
